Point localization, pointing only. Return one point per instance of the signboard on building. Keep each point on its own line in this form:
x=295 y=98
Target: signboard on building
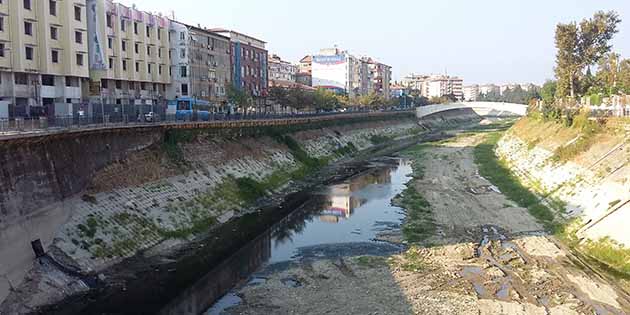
x=330 y=72
x=96 y=53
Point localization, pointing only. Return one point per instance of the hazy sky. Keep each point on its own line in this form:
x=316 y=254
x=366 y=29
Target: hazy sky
x=484 y=41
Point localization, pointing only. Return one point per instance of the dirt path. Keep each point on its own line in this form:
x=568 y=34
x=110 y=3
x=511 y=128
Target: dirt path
x=491 y=257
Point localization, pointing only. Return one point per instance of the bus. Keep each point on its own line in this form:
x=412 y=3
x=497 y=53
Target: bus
x=186 y=108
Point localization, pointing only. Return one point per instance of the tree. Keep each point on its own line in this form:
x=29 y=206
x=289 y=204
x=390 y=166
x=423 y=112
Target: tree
x=582 y=46
x=325 y=100
x=608 y=73
x=238 y=97
x=548 y=92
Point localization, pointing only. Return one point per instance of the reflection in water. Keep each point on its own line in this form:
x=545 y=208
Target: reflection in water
x=342 y=200
x=358 y=208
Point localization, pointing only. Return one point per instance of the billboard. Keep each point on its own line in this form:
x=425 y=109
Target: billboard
x=330 y=72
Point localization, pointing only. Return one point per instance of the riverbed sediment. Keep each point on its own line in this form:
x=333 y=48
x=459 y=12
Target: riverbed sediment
x=485 y=255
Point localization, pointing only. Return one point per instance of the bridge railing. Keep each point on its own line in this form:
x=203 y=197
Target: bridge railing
x=18 y=126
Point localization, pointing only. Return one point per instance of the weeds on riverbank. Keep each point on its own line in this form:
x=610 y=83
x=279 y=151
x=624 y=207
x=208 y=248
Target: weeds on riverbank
x=493 y=169
x=419 y=224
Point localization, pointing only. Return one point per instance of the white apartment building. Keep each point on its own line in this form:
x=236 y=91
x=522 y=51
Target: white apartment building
x=435 y=85
x=43 y=57
x=281 y=70
x=471 y=93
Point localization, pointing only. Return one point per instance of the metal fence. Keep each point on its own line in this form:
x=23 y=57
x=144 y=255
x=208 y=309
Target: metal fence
x=17 y=126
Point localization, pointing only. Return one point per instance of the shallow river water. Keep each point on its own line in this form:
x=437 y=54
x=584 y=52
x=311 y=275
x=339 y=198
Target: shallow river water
x=339 y=220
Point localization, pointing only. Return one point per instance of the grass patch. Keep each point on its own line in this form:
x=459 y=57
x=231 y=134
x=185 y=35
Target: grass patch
x=495 y=170
x=372 y=261
x=419 y=224
x=413 y=260
x=380 y=139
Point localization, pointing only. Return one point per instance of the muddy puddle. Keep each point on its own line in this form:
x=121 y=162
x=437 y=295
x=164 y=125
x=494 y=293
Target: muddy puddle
x=337 y=221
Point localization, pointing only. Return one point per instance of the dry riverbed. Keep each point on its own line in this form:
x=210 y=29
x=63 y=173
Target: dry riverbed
x=484 y=255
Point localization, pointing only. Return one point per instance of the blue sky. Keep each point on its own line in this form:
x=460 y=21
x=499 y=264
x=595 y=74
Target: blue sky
x=484 y=41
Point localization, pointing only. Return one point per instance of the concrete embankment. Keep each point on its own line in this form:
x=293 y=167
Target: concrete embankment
x=96 y=199
x=584 y=174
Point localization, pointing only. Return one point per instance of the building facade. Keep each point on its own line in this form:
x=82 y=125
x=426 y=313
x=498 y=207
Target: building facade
x=471 y=93
x=381 y=76
x=305 y=71
x=248 y=63
x=341 y=72
x=435 y=85
x=129 y=57
x=200 y=64
x=280 y=70
x=43 y=57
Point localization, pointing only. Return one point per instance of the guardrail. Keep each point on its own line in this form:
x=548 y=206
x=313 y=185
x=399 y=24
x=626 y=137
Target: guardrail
x=43 y=125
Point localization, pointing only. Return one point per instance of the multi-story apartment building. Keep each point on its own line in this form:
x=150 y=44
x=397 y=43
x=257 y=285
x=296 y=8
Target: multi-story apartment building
x=43 y=57
x=435 y=85
x=248 y=62
x=471 y=92
x=381 y=76
x=342 y=72
x=200 y=63
x=488 y=88
x=281 y=70
x=305 y=71
x=129 y=57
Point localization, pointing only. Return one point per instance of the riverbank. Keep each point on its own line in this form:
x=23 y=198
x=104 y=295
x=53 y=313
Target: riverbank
x=124 y=289
x=473 y=251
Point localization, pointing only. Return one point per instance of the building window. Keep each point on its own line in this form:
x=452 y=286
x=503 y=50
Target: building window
x=123 y=25
x=104 y=84
x=55 y=56
x=1 y=49
x=182 y=53
x=136 y=48
x=28 y=28
x=159 y=52
x=21 y=79
x=159 y=32
x=137 y=67
x=118 y=84
x=108 y=18
x=111 y=63
x=110 y=43
x=124 y=65
x=1 y=23
x=135 y=28
x=183 y=71
x=78 y=37
x=182 y=36
x=54 y=33
x=79 y=59
x=77 y=13
x=184 y=89
x=27 y=4
x=48 y=80
x=160 y=69
x=148 y=50
x=29 y=53
x=149 y=31
x=52 y=4
x=124 y=45
x=72 y=82
x=149 y=68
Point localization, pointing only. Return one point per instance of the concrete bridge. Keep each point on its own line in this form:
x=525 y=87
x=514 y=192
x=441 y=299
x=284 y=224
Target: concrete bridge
x=486 y=109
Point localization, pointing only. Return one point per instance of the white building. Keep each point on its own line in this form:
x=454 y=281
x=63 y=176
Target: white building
x=340 y=71
x=471 y=93
x=435 y=85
